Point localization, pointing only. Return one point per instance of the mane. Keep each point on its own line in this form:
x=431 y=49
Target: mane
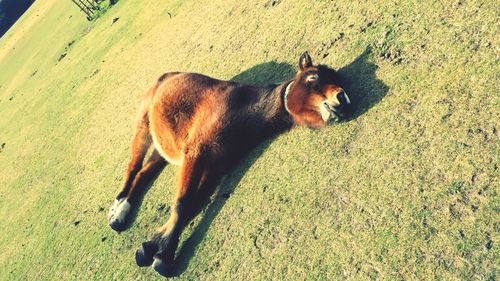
x=331 y=75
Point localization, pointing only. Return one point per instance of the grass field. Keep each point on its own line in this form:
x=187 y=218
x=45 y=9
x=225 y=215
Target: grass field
x=407 y=189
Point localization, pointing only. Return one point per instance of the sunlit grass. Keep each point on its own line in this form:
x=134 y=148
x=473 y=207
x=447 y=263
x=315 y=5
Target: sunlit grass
x=407 y=189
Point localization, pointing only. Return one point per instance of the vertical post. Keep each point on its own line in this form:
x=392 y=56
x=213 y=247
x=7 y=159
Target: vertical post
x=92 y=5
x=83 y=8
x=89 y=9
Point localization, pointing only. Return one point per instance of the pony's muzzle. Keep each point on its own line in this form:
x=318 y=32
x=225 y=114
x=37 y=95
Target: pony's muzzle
x=343 y=98
x=343 y=108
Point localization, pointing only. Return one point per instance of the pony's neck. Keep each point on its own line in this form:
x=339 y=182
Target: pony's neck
x=280 y=120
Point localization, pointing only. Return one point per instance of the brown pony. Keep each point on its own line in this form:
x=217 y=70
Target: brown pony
x=206 y=126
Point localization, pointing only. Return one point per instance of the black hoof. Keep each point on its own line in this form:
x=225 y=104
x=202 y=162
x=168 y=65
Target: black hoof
x=163 y=268
x=144 y=256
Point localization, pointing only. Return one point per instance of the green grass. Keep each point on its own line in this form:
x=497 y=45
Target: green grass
x=407 y=189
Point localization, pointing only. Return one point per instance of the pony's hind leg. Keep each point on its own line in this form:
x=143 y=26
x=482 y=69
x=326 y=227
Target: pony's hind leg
x=195 y=185
x=118 y=220
x=162 y=246
x=140 y=144
x=152 y=167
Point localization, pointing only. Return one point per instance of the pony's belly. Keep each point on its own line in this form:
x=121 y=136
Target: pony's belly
x=167 y=150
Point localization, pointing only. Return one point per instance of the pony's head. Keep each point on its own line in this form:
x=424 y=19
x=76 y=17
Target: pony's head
x=314 y=97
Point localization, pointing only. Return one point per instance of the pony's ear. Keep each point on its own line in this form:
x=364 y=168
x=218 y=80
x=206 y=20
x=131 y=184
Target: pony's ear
x=305 y=61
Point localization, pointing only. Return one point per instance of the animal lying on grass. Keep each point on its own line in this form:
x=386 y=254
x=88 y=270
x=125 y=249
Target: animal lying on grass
x=206 y=126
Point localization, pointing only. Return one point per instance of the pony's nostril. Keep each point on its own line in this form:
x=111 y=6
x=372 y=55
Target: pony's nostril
x=343 y=98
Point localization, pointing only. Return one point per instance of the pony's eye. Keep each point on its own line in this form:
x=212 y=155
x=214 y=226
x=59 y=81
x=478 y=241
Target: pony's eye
x=312 y=78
